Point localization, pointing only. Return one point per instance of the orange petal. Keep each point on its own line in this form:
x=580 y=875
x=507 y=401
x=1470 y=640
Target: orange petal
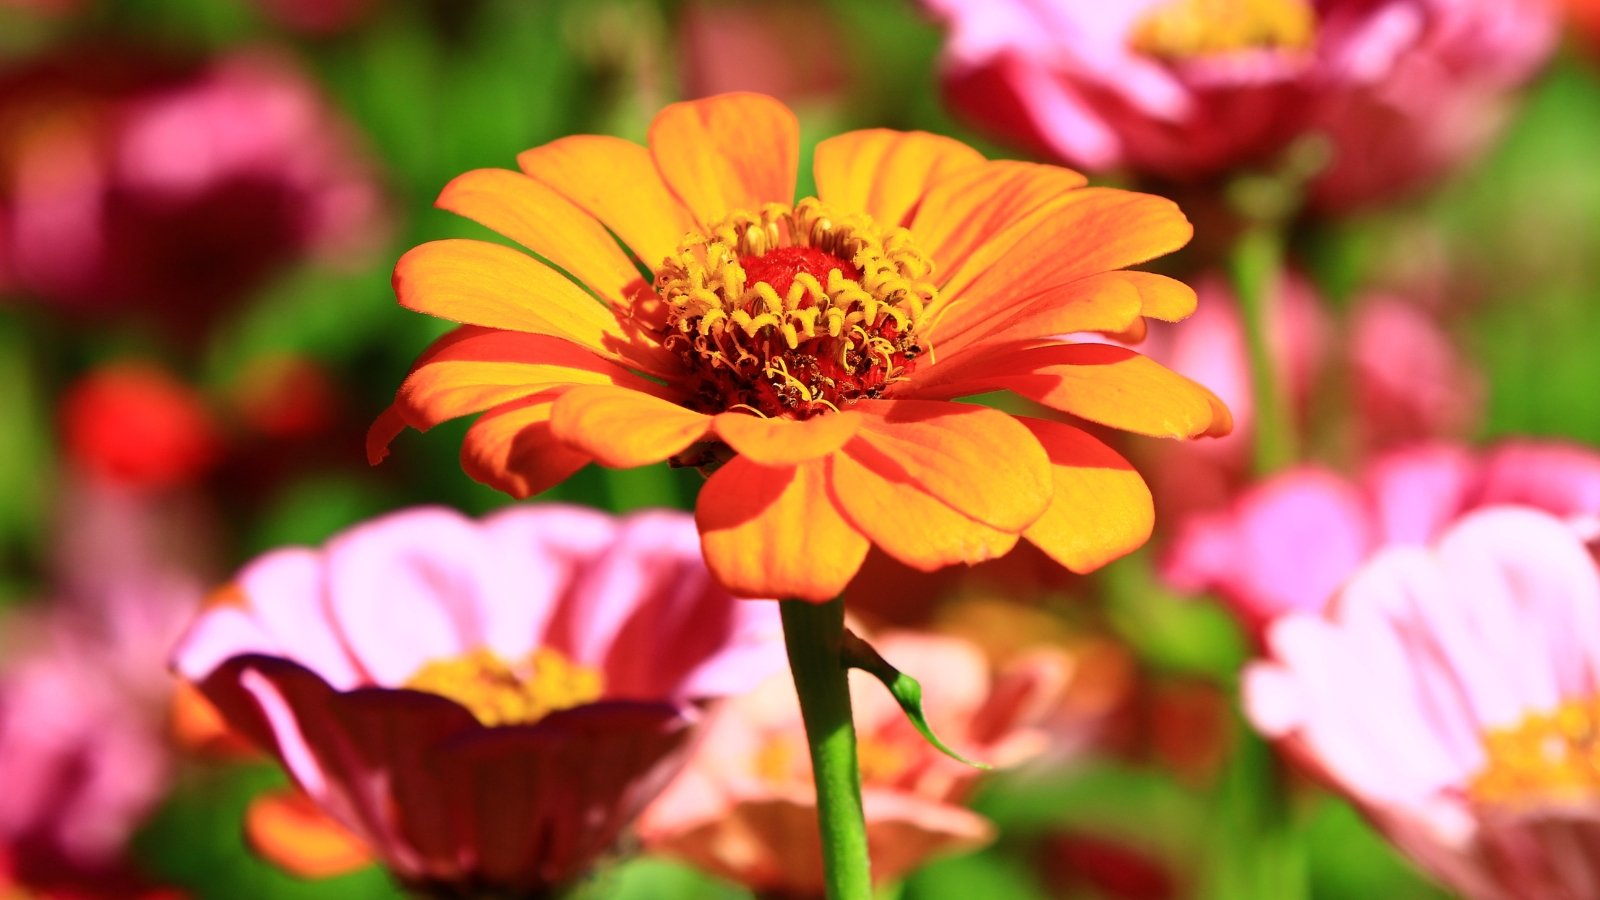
x=726 y=153
x=288 y=830
x=624 y=428
x=776 y=532
x=985 y=209
x=616 y=182
x=908 y=524
x=511 y=448
x=1101 y=509
x=382 y=433
x=784 y=442
x=1104 y=303
x=886 y=173
x=537 y=217
x=978 y=460
x=1110 y=385
x=470 y=370
x=1160 y=297
x=486 y=284
x=1082 y=233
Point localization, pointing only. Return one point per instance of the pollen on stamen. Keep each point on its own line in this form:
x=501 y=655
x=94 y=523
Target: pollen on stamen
x=1180 y=29
x=794 y=312
x=1549 y=758
x=498 y=692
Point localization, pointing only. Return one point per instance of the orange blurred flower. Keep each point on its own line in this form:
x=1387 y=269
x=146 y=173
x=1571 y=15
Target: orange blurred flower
x=808 y=352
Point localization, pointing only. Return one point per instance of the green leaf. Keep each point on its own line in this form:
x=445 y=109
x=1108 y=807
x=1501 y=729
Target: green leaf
x=858 y=654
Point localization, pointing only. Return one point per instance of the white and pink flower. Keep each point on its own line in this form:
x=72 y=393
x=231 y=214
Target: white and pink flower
x=484 y=704
x=1453 y=692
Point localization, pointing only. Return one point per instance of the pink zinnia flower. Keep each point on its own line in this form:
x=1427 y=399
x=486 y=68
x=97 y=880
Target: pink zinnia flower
x=85 y=754
x=1289 y=543
x=745 y=808
x=1189 y=89
x=1453 y=692
x=130 y=181
x=484 y=704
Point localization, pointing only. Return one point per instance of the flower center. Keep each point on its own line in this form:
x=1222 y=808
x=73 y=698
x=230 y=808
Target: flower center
x=1183 y=29
x=794 y=312
x=510 y=693
x=1547 y=758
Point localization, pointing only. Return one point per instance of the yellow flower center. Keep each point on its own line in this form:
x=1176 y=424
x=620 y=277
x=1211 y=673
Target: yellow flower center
x=1182 y=29
x=794 y=311
x=514 y=693
x=1547 y=758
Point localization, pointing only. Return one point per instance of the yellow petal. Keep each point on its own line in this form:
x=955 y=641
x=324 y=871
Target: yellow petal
x=478 y=283
x=978 y=460
x=1081 y=233
x=776 y=532
x=1101 y=509
x=624 y=428
x=985 y=209
x=906 y=522
x=1110 y=385
x=288 y=830
x=886 y=173
x=537 y=217
x=784 y=442
x=726 y=153
x=472 y=369
x=616 y=182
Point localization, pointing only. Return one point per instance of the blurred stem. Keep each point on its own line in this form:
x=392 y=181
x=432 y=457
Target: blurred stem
x=1256 y=266
x=1261 y=849
x=814 y=635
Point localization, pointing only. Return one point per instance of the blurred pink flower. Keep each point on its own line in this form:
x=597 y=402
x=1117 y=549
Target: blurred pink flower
x=784 y=48
x=1289 y=543
x=84 y=687
x=1453 y=692
x=745 y=807
x=128 y=181
x=1187 y=89
x=484 y=704
x=1406 y=380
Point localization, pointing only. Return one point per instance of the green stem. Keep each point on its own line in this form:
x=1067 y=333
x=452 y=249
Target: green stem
x=1257 y=268
x=814 y=634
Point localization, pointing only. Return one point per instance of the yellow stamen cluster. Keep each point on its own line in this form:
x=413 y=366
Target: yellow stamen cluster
x=1548 y=758
x=502 y=693
x=794 y=311
x=1183 y=29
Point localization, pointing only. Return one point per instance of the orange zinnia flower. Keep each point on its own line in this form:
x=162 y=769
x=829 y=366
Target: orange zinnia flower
x=683 y=307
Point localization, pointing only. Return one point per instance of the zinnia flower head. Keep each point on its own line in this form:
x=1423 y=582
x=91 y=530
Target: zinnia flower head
x=1189 y=89
x=487 y=704
x=745 y=807
x=1288 y=543
x=807 y=351
x=1453 y=692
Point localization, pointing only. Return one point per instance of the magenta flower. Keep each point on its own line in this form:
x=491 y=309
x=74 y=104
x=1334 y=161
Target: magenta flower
x=1290 y=542
x=1189 y=89
x=1453 y=692
x=485 y=704
x=745 y=807
x=134 y=182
